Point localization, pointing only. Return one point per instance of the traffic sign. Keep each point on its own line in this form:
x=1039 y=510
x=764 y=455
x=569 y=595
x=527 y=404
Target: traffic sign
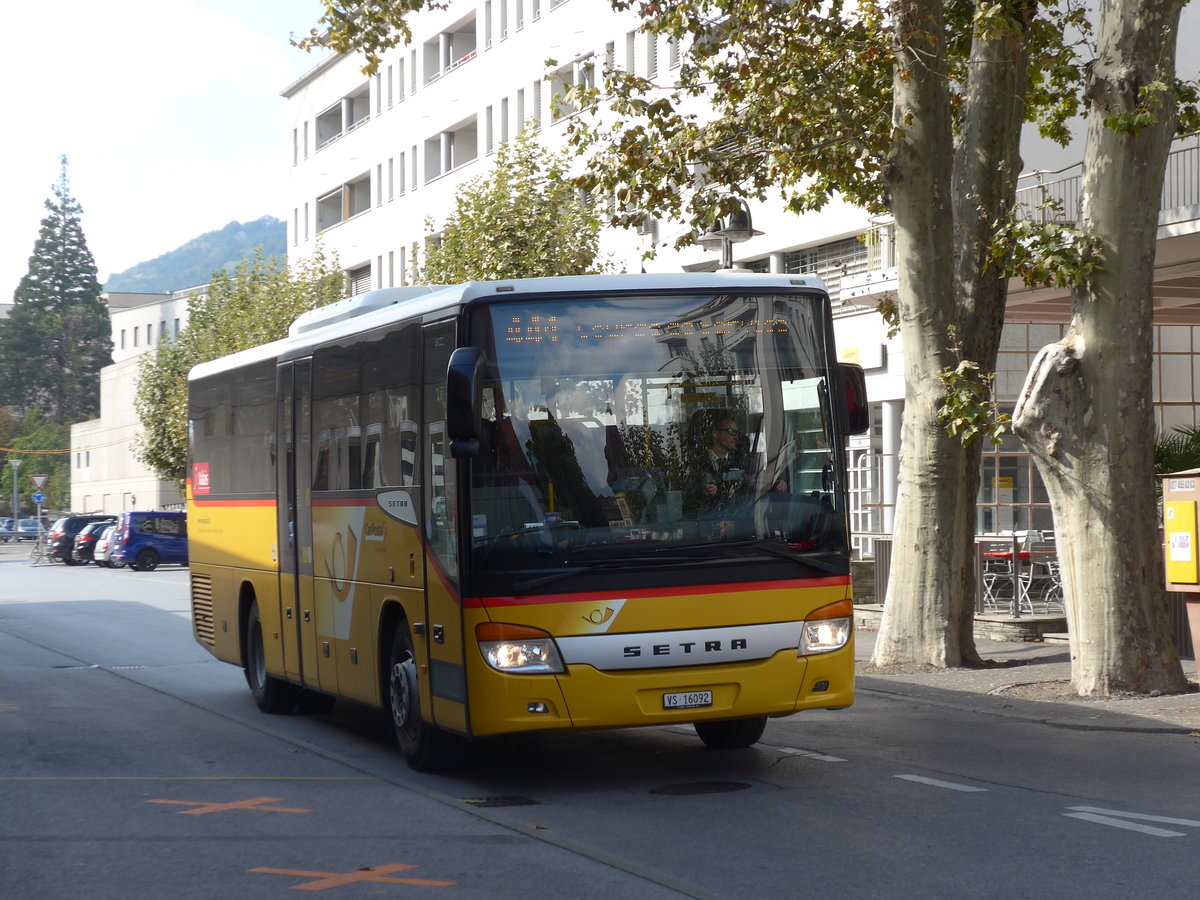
x=39 y=481
x=39 y=498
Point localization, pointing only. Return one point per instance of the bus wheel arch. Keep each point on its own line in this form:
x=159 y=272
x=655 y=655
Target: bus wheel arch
x=425 y=747
x=271 y=694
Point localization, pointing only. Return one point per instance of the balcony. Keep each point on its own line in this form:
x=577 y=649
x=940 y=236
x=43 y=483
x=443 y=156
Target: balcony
x=1177 y=257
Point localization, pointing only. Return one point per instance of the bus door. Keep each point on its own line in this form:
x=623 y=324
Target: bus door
x=295 y=523
x=444 y=639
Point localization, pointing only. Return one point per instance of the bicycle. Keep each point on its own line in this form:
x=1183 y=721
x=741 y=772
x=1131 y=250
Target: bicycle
x=38 y=552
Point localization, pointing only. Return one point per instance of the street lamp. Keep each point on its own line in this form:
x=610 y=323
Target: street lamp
x=16 y=464
x=735 y=228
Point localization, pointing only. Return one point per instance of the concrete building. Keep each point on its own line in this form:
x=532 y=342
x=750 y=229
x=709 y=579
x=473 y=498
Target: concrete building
x=106 y=476
x=373 y=159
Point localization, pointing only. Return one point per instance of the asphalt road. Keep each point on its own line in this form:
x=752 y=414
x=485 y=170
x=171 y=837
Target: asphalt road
x=134 y=765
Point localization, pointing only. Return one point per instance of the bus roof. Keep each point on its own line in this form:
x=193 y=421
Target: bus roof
x=372 y=309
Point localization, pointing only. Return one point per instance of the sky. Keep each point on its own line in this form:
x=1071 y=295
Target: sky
x=168 y=111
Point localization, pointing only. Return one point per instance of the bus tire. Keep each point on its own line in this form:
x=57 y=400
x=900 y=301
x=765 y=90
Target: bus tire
x=271 y=694
x=425 y=747
x=731 y=734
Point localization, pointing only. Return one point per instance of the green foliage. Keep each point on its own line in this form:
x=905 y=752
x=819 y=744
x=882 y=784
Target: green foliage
x=969 y=408
x=1043 y=250
x=1177 y=451
x=42 y=444
x=523 y=219
x=370 y=26
x=787 y=100
x=57 y=336
x=195 y=261
x=253 y=305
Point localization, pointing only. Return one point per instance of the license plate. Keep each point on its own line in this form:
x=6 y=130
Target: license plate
x=687 y=700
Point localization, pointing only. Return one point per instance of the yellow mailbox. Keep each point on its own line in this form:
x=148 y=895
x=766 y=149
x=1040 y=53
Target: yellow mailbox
x=1181 y=495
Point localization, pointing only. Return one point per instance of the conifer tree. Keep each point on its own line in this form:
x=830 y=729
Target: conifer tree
x=57 y=337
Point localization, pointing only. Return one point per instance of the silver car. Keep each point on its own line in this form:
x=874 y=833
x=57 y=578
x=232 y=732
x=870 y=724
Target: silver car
x=104 y=547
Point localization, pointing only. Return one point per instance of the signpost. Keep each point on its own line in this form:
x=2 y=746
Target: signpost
x=39 y=481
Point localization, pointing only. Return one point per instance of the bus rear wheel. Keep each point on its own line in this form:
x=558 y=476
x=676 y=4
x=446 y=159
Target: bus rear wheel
x=425 y=747
x=271 y=694
x=732 y=734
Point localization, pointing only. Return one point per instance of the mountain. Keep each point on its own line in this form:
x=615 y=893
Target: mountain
x=195 y=261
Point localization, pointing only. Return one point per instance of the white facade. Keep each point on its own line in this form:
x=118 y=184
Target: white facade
x=373 y=159
x=106 y=476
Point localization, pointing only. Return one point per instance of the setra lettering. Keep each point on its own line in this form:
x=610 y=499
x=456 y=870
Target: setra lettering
x=635 y=651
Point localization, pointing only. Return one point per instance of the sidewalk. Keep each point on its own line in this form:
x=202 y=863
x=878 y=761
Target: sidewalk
x=1029 y=681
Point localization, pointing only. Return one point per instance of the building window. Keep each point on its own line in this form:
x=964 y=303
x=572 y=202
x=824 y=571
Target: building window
x=830 y=262
x=451 y=149
x=452 y=48
x=122 y=338
x=580 y=73
x=344 y=116
x=344 y=202
x=359 y=280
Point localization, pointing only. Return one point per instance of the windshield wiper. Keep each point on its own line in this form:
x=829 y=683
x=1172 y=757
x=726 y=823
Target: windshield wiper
x=522 y=587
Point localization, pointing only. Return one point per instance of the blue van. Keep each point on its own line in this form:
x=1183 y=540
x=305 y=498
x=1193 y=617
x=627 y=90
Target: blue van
x=143 y=540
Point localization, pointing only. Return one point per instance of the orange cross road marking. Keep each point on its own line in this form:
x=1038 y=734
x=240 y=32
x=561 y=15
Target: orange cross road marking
x=203 y=808
x=326 y=880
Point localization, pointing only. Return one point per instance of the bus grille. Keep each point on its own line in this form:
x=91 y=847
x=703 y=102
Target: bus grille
x=202 y=609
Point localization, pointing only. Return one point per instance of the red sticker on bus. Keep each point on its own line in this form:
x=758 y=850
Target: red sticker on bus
x=200 y=478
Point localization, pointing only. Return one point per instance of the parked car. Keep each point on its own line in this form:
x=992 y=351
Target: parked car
x=6 y=529
x=85 y=541
x=60 y=543
x=104 y=543
x=144 y=540
x=27 y=529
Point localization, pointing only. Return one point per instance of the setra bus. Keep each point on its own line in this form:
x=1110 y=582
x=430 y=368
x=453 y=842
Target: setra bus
x=556 y=503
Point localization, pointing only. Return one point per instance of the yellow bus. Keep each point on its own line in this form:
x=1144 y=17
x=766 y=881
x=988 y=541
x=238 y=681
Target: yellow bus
x=559 y=503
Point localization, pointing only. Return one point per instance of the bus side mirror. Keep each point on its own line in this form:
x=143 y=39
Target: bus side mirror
x=464 y=398
x=854 y=390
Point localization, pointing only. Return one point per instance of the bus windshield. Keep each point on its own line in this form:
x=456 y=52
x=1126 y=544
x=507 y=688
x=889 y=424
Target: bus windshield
x=637 y=431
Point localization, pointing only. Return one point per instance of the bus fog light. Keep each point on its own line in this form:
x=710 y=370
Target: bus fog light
x=518 y=649
x=537 y=707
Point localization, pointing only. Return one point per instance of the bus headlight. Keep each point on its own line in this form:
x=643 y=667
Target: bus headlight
x=518 y=649
x=828 y=628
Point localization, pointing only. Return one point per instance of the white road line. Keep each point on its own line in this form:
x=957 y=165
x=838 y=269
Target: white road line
x=810 y=754
x=949 y=785
x=1121 y=823
x=1106 y=817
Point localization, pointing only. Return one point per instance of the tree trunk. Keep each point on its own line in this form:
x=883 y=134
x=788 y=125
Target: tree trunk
x=1085 y=412
x=950 y=309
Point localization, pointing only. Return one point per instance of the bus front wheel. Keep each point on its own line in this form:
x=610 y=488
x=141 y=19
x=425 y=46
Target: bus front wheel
x=425 y=747
x=732 y=734
x=271 y=694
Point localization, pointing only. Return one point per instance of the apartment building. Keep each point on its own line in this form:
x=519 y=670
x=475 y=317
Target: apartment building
x=106 y=476
x=375 y=162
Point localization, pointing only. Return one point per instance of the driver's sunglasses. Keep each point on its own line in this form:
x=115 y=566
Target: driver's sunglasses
x=731 y=431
